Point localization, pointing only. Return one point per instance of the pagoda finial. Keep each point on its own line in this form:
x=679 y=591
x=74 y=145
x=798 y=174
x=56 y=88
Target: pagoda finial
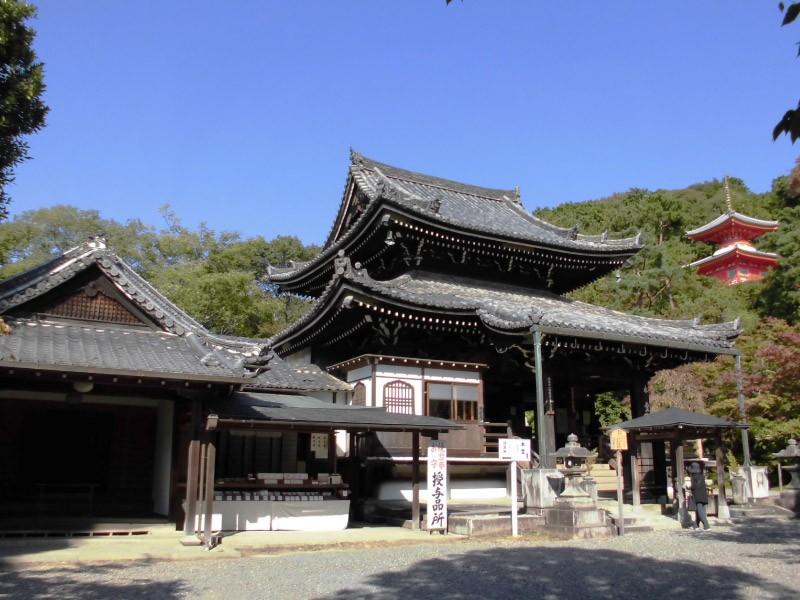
x=727 y=188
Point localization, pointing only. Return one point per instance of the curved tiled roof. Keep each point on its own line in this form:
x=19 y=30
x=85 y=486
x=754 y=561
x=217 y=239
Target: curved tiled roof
x=97 y=348
x=732 y=215
x=509 y=308
x=494 y=212
x=738 y=248
x=183 y=347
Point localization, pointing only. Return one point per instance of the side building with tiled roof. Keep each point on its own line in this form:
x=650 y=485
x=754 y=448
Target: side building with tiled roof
x=107 y=387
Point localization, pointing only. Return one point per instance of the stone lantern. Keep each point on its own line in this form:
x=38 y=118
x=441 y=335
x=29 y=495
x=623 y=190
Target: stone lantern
x=574 y=456
x=790 y=495
x=575 y=513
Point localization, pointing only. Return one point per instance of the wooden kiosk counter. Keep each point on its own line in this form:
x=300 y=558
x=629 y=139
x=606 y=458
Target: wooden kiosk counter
x=273 y=501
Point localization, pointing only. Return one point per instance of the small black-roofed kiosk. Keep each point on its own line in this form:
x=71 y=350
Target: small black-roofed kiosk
x=675 y=426
x=421 y=274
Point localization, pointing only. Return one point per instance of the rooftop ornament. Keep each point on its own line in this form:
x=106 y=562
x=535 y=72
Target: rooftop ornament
x=575 y=457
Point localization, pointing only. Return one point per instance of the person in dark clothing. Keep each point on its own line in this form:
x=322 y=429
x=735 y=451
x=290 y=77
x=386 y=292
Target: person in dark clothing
x=699 y=493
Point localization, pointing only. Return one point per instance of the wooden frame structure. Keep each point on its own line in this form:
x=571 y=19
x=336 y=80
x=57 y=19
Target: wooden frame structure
x=676 y=426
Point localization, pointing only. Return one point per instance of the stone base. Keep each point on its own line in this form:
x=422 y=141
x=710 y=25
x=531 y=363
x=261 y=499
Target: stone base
x=541 y=487
x=578 y=522
x=790 y=499
x=488 y=525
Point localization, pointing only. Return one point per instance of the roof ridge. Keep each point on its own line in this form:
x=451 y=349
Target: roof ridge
x=360 y=161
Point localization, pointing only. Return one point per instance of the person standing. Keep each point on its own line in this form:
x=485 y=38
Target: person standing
x=700 y=494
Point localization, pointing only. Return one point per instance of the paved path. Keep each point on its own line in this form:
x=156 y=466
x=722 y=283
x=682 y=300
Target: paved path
x=759 y=560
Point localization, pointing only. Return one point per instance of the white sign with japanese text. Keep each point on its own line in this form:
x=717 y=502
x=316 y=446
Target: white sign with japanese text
x=437 y=485
x=515 y=449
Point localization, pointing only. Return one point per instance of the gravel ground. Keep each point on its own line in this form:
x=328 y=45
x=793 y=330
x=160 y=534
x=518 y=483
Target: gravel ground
x=755 y=560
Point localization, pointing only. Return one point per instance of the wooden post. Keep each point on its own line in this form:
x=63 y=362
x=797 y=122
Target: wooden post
x=192 y=473
x=780 y=478
x=332 y=452
x=636 y=498
x=673 y=461
x=415 y=480
x=743 y=417
x=683 y=513
x=620 y=498
x=723 y=512
x=211 y=459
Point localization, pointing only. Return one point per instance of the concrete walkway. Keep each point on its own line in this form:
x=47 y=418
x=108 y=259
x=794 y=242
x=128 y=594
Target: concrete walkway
x=164 y=544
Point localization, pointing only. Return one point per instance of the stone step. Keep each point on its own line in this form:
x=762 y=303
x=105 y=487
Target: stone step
x=492 y=525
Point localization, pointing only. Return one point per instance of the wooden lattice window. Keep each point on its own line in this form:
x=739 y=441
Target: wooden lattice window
x=359 y=395
x=398 y=397
x=92 y=305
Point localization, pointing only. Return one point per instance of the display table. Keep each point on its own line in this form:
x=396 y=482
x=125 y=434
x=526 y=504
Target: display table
x=330 y=515
x=287 y=515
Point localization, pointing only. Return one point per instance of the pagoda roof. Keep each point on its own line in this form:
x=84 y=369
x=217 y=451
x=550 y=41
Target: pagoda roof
x=471 y=210
x=738 y=248
x=505 y=309
x=731 y=217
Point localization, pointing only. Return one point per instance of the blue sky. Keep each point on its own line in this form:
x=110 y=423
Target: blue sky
x=241 y=114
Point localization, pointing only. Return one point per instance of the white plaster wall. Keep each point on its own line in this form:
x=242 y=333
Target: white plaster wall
x=452 y=376
x=359 y=373
x=162 y=466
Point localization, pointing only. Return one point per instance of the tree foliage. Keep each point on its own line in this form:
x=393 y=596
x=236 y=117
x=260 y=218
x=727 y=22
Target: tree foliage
x=22 y=110
x=217 y=277
x=655 y=283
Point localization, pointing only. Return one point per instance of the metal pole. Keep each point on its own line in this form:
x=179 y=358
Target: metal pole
x=620 y=499
x=742 y=411
x=541 y=443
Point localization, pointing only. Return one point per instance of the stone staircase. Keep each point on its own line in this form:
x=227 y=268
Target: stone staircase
x=606 y=479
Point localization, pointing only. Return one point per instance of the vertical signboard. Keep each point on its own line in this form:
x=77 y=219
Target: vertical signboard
x=619 y=442
x=514 y=449
x=437 y=485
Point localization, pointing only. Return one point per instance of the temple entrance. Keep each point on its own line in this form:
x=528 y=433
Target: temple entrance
x=63 y=460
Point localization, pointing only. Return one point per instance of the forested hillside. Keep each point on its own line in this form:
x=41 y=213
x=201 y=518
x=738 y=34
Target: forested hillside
x=655 y=283
x=218 y=278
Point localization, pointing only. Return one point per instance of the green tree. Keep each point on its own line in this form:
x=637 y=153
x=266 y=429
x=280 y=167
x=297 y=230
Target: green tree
x=216 y=277
x=22 y=110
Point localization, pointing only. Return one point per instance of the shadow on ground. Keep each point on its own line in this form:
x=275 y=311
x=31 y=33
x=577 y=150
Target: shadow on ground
x=560 y=573
x=85 y=583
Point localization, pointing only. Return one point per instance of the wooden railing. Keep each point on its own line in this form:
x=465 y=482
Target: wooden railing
x=492 y=432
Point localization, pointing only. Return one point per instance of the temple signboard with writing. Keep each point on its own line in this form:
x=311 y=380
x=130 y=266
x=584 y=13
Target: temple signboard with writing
x=437 y=485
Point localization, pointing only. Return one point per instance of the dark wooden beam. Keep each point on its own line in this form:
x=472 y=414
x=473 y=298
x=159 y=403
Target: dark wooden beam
x=332 y=452
x=723 y=512
x=192 y=474
x=415 y=481
x=211 y=460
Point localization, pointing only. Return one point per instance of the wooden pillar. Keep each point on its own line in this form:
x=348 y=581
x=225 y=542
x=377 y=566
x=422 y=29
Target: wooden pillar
x=541 y=424
x=683 y=513
x=332 y=462
x=192 y=473
x=211 y=460
x=673 y=461
x=415 y=480
x=723 y=512
x=743 y=417
x=636 y=497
